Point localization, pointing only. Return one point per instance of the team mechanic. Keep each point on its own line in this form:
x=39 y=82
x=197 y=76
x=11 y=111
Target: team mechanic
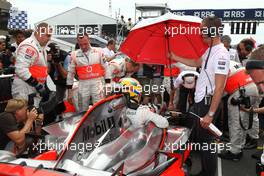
x=119 y=68
x=171 y=72
x=242 y=91
x=255 y=68
x=88 y=63
x=31 y=65
x=209 y=87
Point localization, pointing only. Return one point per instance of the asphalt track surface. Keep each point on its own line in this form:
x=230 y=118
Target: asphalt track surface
x=245 y=167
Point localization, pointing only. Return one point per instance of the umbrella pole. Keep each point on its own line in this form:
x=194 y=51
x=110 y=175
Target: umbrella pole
x=168 y=45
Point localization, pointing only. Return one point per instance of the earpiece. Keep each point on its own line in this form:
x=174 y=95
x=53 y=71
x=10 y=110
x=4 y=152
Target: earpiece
x=249 y=48
x=249 y=44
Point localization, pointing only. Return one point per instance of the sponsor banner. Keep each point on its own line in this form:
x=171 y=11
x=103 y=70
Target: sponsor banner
x=225 y=14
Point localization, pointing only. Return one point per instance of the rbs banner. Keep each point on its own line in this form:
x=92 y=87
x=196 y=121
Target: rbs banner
x=226 y=14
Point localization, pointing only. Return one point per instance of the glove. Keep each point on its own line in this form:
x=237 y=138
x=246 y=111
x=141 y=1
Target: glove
x=32 y=82
x=43 y=92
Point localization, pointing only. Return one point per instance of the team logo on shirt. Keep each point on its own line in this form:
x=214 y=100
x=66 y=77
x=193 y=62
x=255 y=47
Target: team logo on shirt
x=89 y=69
x=29 y=53
x=221 y=68
x=221 y=63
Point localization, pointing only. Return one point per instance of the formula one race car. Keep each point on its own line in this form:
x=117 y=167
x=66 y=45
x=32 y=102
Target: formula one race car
x=103 y=142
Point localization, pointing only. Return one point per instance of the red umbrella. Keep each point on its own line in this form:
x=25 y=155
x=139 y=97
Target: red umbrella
x=151 y=39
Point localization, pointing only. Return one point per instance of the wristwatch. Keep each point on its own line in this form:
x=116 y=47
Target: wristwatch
x=211 y=114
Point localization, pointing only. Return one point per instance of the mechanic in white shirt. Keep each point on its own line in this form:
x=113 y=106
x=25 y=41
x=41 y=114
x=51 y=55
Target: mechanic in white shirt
x=209 y=87
x=109 y=50
x=226 y=40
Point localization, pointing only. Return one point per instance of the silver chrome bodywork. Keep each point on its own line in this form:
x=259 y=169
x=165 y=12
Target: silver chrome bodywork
x=120 y=144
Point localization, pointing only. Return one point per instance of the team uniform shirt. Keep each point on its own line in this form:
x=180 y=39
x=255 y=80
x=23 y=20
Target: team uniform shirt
x=108 y=53
x=233 y=55
x=116 y=68
x=237 y=78
x=244 y=61
x=187 y=83
x=87 y=65
x=143 y=115
x=218 y=63
x=31 y=60
x=90 y=69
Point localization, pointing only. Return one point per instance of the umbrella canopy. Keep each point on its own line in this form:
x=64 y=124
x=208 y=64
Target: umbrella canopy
x=150 y=40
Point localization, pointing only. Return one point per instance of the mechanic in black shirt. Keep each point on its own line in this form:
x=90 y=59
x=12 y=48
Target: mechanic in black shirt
x=16 y=113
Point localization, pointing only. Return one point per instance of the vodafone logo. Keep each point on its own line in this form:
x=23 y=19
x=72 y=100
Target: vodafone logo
x=89 y=69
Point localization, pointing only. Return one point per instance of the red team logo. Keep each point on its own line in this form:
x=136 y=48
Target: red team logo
x=30 y=52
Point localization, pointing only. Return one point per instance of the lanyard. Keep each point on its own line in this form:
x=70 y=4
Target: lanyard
x=205 y=67
x=86 y=57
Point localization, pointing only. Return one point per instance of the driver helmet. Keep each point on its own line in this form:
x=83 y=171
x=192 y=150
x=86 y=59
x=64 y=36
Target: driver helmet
x=133 y=87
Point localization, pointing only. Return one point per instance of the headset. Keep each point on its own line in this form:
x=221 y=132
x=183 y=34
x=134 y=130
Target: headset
x=249 y=46
x=248 y=43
